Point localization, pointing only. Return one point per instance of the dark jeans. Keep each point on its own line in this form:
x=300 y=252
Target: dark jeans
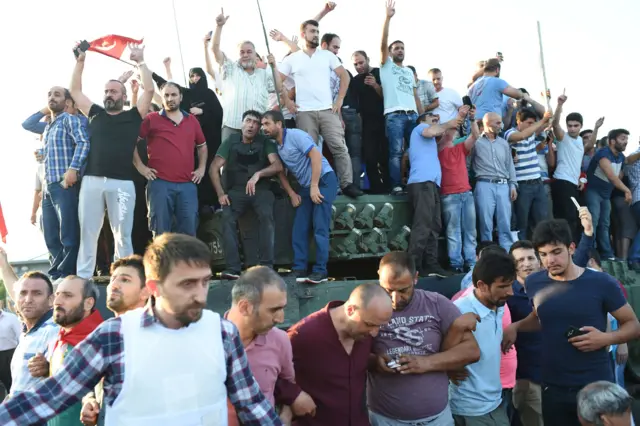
x=634 y=250
x=5 y=370
x=532 y=202
x=600 y=209
x=319 y=215
x=559 y=405
x=563 y=207
x=262 y=205
x=140 y=234
x=290 y=123
x=61 y=228
x=353 y=138
x=375 y=150
x=169 y=201
x=427 y=224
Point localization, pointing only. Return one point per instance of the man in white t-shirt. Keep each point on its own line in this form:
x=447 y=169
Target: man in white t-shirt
x=450 y=100
x=401 y=101
x=317 y=112
x=569 y=161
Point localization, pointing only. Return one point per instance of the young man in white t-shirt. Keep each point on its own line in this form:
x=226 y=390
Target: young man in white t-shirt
x=317 y=112
x=569 y=161
x=450 y=100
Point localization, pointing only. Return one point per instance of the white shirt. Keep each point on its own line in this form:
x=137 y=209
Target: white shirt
x=289 y=84
x=450 y=101
x=10 y=330
x=569 y=154
x=312 y=77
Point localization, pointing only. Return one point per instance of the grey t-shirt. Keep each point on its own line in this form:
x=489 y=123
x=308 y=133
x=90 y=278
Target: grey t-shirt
x=419 y=329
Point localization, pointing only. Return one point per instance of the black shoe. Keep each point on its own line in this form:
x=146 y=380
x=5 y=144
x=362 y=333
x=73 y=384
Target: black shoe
x=317 y=278
x=352 y=191
x=634 y=266
x=229 y=275
x=299 y=275
x=437 y=271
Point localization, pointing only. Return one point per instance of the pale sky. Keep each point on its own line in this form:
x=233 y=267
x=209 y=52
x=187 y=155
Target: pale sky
x=591 y=49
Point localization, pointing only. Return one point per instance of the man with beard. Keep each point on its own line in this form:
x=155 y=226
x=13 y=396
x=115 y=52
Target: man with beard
x=258 y=299
x=200 y=101
x=246 y=87
x=66 y=147
x=249 y=160
x=317 y=111
x=426 y=337
x=172 y=135
x=368 y=90
x=570 y=306
x=477 y=399
x=74 y=310
x=401 y=101
x=33 y=296
x=108 y=181
x=126 y=291
x=331 y=349
x=194 y=384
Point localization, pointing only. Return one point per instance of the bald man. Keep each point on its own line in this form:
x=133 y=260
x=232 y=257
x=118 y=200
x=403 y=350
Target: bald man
x=331 y=350
x=496 y=185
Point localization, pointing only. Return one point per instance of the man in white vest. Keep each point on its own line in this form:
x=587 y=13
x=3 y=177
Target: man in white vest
x=181 y=360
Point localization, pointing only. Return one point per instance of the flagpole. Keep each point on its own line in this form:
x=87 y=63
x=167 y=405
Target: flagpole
x=544 y=71
x=175 y=19
x=266 y=40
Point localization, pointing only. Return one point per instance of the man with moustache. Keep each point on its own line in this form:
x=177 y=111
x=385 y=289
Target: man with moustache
x=126 y=291
x=172 y=135
x=194 y=384
x=108 y=181
x=74 y=310
x=33 y=296
x=66 y=147
x=368 y=89
x=249 y=160
x=331 y=349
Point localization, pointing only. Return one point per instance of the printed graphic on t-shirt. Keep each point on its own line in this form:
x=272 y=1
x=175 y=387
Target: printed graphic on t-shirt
x=404 y=83
x=412 y=331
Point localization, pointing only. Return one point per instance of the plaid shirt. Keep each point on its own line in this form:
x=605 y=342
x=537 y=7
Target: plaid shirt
x=66 y=146
x=102 y=354
x=426 y=92
x=633 y=172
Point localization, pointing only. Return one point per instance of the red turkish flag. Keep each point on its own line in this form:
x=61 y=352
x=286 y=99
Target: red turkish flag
x=3 y=227
x=112 y=45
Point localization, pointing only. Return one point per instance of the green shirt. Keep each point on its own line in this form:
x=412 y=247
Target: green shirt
x=71 y=416
x=245 y=159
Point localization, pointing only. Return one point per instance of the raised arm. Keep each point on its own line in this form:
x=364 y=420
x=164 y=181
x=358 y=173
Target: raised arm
x=207 y=57
x=438 y=129
x=8 y=275
x=471 y=140
x=34 y=123
x=291 y=43
x=557 y=129
x=167 y=68
x=517 y=136
x=144 y=102
x=215 y=46
x=82 y=101
x=384 y=43
x=328 y=7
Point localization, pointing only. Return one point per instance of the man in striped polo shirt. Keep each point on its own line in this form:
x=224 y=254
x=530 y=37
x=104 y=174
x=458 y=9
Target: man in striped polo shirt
x=532 y=199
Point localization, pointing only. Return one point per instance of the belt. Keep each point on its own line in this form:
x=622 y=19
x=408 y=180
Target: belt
x=530 y=181
x=405 y=112
x=500 y=181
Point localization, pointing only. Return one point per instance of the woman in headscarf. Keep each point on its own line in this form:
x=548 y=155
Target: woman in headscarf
x=200 y=101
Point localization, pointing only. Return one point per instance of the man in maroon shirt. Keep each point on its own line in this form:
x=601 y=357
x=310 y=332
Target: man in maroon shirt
x=172 y=135
x=331 y=349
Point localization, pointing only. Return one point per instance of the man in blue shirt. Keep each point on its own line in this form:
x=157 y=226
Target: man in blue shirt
x=603 y=175
x=478 y=399
x=318 y=190
x=423 y=187
x=570 y=306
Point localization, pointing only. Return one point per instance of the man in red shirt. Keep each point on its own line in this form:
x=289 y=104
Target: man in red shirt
x=172 y=135
x=331 y=349
x=458 y=208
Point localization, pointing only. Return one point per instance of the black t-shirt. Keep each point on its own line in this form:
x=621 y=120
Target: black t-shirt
x=351 y=98
x=113 y=139
x=370 y=103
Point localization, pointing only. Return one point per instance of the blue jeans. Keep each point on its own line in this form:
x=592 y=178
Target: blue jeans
x=600 y=209
x=634 y=250
x=172 y=203
x=532 y=202
x=319 y=215
x=494 y=199
x=61 y=228
x=399 y=127
x=459 y=220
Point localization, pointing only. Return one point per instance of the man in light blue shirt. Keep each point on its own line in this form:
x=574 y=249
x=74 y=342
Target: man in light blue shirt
x=477 y=400
x=486 y=93
x=423 y=187
x=318 y=190
x=401 y=102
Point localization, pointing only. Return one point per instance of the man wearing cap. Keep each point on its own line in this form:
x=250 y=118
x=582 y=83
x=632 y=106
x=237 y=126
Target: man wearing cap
x=423 y=185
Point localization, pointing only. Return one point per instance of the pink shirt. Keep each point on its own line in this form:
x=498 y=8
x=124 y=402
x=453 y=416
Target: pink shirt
x=509 y=361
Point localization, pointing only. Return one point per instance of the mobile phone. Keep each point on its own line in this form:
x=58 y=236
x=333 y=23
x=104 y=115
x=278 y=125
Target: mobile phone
x=210 y=33
x=466 y=100
x=573 y=332
x=197 y=105
x=514 y=152
x=82 y=47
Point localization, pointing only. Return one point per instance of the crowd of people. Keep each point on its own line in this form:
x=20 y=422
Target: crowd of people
x=537 y=334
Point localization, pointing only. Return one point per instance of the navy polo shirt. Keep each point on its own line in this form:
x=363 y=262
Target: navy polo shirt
x=528 y=345
x=584 y=301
